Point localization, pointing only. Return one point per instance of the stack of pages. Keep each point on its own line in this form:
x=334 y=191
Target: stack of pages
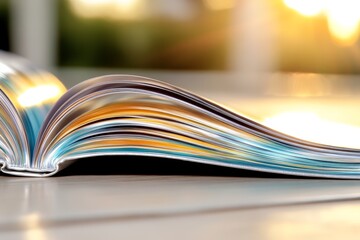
x=44 y=127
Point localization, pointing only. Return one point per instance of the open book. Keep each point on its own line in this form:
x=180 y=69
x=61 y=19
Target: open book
x=44 y=127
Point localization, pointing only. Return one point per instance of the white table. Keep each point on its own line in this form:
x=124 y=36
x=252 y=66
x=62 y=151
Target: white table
x=177 y=207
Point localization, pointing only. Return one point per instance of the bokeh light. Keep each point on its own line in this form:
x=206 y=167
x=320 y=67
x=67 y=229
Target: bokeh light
x=306 y=7
x=343 y=16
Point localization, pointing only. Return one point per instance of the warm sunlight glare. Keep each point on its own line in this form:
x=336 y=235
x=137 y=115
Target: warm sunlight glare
x=311 y=127
x=343 y=16
x=113 y=9
x=306 y=7
x=32 y=228
x=300 y=223
x=38 y=95
x=343 y=20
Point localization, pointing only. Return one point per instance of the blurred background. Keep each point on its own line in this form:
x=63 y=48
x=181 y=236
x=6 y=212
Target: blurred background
x=291 y=64
x=279 y=35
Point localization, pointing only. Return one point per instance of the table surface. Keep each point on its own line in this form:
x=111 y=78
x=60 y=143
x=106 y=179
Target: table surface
x=177 y=207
